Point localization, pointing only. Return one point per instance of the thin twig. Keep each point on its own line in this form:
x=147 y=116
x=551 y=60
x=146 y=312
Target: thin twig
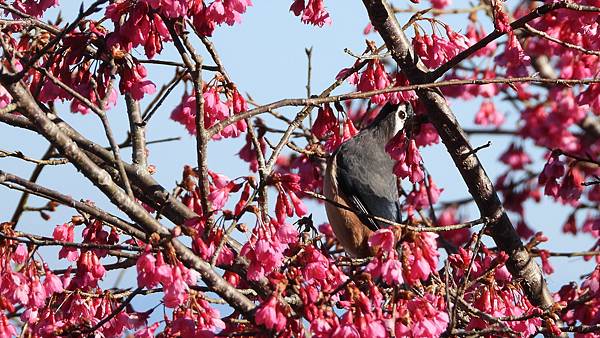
x=565 y=44
x=217 y=127
x=113 y=314
x=392 y=223
x=45 y=241
x=41 y=162
x=162 y=95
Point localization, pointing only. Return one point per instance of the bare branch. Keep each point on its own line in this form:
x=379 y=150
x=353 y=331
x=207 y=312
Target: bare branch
x=364 y=95
x=44 y=241
x=392 y=223
x=42 y=162
x=138 y=132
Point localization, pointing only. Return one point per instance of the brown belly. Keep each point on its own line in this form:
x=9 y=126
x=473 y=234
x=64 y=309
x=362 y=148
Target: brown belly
x=352 y=234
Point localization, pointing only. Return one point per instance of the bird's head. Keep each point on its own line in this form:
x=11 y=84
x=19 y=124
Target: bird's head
x=391 y=119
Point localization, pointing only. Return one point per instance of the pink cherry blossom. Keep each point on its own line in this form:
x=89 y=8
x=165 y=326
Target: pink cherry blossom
x=457 y=237
x=146 y=269
x=572 y=186
x=52 y=283
x=553 y=170
x=435 y=50
x=515 y=157
x=488 y=115
x=407 y=156
x=20 y=254
x=514 y=58
x=66 y=233
x=6 y=328
x=524 y=230
x=501 y=20
x=270 y=315
x=248 y=152
x=374 y=77
x=427 y=135
x=215 y=110
x=440 y=3
x=422 y=256
x=313 y=12
x=134 y=82
x=35 y=8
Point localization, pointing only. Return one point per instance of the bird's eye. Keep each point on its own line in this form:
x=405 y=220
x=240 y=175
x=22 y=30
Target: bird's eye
x=402 y=114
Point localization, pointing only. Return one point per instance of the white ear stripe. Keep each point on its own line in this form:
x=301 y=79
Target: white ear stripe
x=399 y=122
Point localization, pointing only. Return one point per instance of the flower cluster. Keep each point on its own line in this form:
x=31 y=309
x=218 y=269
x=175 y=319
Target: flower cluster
x=175 y=278
x=288 y=203
x=328 y=128
x=375 y=77
x=313 y=12
x=145 y=22
x=215 y=110
x=265 y=249
x=498 y=297
x=54 y=302
x=408 y=159
x=436 y=50
x=570 y=189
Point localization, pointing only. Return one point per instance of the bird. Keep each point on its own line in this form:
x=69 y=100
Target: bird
x=359 y=175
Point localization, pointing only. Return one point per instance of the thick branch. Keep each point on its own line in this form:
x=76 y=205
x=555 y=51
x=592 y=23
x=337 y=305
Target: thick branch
x=103 y=118
x=520 y=264
x=137 y=128
x=103 y=181
x=38 y=190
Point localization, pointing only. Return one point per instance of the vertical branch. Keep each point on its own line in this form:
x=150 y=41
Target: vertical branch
x=138 y=132
x=202 y=136
x=262 y=172
x=520 y=264
x=115 y=149
x=210 y=47
x=308 y=52
x=309 y=70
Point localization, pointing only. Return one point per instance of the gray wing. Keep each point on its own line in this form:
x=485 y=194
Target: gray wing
x=366 y=178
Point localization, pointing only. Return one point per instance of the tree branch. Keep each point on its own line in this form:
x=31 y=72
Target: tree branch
x=138 y=132
x=38 y=190
x=103 y=181
x=321 y=99
x=520 y=264
x=519 y=23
